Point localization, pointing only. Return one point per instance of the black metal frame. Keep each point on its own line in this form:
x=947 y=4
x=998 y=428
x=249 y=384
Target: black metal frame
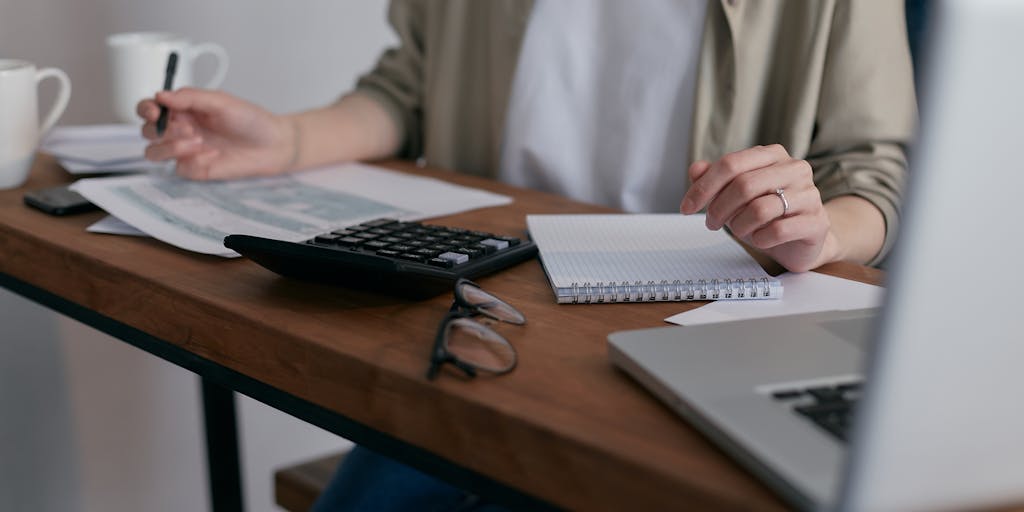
x=463 y=308
x=219 y=383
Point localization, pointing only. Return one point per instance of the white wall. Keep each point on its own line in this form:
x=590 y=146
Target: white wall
x=88 y=423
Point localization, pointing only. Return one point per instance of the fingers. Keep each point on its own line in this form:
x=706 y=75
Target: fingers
x=179 y=127
x=768 y=208
x=198 y=166
x=794 y=176
x=174 y=148
x=808 y=228
x=148 y=110
x=183 y=104
x=698 y=169
x=194 y=100
x=722 y=172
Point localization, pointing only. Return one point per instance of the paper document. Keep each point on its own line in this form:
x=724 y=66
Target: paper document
x=196 y=216
x=102 y=148
x=806 y=292
x=111 y=225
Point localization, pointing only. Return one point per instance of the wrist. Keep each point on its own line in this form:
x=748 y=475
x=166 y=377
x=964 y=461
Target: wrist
x=292 y=142
x=831 y=249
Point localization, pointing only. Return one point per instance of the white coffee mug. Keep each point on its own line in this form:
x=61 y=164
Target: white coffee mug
x=20 y=128
x=138 y=63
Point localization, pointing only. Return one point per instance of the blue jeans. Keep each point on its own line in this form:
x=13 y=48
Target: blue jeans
x=366 y=480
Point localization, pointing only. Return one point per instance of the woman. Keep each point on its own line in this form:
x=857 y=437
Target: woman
x=785 y=122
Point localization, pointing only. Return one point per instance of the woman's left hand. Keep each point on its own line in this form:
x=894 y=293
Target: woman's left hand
x=767 y=199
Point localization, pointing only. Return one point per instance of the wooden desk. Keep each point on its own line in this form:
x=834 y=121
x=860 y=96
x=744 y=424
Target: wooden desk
x=565 y=427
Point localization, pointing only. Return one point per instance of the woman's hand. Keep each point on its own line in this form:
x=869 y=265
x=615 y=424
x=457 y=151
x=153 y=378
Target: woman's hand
x=739 y=191
x=215 y=136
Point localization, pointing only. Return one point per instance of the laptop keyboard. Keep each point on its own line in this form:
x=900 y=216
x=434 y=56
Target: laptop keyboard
x=829 y=407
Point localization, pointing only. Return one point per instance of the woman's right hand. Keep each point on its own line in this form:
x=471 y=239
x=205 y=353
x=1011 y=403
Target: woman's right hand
x=216 y=136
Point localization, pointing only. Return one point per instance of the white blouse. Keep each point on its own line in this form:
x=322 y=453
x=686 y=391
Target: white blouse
x=602 y=101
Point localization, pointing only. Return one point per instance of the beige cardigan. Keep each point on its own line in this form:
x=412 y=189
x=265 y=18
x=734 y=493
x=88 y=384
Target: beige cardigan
x=830 y=80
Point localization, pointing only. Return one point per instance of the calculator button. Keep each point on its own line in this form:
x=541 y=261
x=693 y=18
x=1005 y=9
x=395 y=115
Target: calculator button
x=454 y=257
x=512 y=241
x=379 y=231
x=413 y=257
x=441 y=262
x=326 y=239
x=390 y=239
x=430 y=253
x=367 y=235
x=388 y=253
x=351 y=241
x=402 y=248
x=487 y=249
x=375 y=244
x=470 y=251
x=344 y=232
x=496 y=243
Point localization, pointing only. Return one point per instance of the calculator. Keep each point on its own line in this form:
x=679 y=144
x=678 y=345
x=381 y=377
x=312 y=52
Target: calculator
x=407 y=259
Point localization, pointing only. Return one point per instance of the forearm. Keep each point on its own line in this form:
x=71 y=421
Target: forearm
x=354 y=128
x=857 y=232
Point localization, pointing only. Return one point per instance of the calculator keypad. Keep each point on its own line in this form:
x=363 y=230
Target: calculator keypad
x=437 y=246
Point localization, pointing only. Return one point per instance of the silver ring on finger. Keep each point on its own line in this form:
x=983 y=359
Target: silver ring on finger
x=781 y=192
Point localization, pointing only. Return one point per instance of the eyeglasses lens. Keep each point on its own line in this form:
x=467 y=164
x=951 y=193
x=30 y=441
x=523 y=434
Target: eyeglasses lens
x=478 y=345
x=490 y=305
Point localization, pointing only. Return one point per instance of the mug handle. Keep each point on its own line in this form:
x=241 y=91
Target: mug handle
x=63 y=95
x=218 y=53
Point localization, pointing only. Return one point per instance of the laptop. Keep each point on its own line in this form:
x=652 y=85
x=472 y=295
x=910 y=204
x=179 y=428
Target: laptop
x=918 y=405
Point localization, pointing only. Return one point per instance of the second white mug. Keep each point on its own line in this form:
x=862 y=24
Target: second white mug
x=138 y=61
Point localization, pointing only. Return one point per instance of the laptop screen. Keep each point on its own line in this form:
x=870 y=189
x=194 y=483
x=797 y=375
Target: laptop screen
x=941 y=421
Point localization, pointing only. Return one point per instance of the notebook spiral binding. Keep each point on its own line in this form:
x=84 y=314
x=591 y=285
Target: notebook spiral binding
x=652 y=291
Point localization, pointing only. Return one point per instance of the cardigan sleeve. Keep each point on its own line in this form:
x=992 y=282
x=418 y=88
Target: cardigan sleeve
x=396 y=82
x=867 y=110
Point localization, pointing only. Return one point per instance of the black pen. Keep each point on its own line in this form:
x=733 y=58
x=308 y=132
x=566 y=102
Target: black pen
x=172 y=66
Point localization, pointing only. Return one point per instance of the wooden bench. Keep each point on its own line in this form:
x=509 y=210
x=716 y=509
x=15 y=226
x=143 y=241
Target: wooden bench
x=297 y=487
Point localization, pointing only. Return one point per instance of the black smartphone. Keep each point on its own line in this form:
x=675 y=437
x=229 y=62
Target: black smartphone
x=58 y=201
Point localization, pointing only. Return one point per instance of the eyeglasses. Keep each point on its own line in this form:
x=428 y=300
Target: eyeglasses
x=468 y=344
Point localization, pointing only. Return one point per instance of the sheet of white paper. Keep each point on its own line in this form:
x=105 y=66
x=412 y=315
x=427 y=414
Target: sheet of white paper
x=79 y=134
x=196 y=216
x=806 y=292
x=74 y=167
x=97 y=145
x=111 y=225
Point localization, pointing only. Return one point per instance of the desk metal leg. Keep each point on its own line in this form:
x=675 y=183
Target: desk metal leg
x=225 y=473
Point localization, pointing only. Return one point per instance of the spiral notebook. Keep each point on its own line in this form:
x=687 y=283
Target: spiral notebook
x=645 y=257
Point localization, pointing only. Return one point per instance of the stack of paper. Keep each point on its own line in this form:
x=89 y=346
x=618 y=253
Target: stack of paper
x=197 y=215
x=102 y=148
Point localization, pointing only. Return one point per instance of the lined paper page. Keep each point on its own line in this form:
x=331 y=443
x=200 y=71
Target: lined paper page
x=621 y=248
